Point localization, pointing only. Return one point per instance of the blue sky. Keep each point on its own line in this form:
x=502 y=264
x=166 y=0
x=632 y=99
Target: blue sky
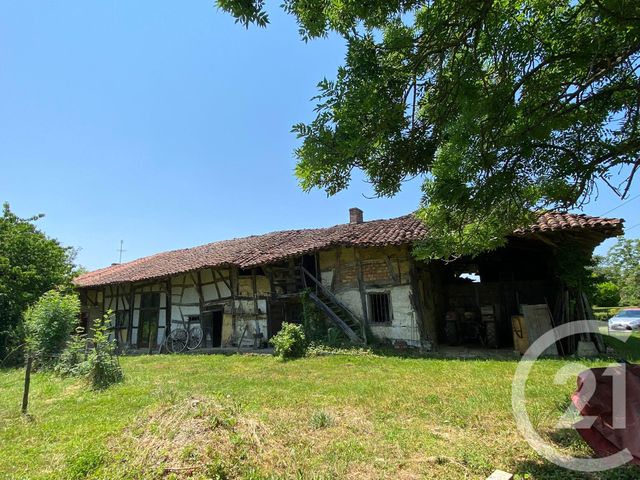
x=167 y=125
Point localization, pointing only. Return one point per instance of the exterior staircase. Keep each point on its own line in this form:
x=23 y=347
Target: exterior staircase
x=336 y=311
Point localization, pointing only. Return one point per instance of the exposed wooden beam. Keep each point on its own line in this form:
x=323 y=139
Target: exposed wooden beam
x=363 y=295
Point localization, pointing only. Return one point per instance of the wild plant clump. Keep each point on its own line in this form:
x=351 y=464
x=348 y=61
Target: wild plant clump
x=290 y=342
x=72 y=361
x=104 y=367
x=315 y=328
x=93 y=359
x=321 y=419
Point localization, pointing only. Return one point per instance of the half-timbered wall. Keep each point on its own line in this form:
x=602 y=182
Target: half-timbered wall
x=354 y=274
x=244 y=296
x=92 y=306
x=240 y=296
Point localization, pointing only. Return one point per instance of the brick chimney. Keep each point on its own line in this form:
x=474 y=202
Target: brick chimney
x=355 y=215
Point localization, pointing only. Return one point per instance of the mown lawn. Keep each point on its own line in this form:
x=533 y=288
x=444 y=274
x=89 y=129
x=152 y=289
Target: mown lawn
x=344 y=416
x=625 y=344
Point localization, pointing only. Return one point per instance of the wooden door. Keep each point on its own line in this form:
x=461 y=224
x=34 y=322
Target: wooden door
x=148 y=320
x=275 y=317
x=148 y=330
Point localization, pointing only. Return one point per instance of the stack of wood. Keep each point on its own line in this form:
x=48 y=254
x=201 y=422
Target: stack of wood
x=571 y=305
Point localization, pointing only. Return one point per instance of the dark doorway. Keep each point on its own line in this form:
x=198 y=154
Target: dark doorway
x=309 y=263
x=275 y=317
x=212 y=328
x=289 y=311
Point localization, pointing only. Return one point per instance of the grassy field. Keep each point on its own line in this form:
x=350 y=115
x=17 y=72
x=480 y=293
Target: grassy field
x=625 y=344
x=343 y=416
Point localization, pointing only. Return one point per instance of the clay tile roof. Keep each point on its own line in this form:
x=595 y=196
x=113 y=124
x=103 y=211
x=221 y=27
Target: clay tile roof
x=553 y=221
x=276 y=246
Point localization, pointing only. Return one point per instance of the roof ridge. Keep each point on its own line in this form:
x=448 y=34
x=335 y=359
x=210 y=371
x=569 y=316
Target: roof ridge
x=270 y=247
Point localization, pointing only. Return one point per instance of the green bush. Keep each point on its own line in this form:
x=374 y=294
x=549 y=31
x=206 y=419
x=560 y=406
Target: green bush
x=93 y=359
x=605 y=313
x=103 y=367
x=73 y=361
x=290 y=342
x=607 y=294
x=49 y=323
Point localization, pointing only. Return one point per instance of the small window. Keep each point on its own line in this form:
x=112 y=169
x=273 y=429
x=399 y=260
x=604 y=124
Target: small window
x=379 y=308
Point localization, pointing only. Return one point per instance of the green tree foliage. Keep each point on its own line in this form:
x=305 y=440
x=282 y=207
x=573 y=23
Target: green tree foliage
x=607 y=294
x=48 y=324
x=621 y=266
x=504 y=107
x=30 y=265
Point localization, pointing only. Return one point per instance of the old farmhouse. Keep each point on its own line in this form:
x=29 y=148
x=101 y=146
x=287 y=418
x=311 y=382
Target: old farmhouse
x=361 y=275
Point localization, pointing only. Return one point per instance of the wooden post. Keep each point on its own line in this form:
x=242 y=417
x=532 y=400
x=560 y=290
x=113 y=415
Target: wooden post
x=414 y=298
x=197 y=282
x=27 y=383
x=169 y=311
x=336 y=270
x=363 y=294
x=254 y=286
x=132 y=301
x=233 y=283
x=149 y=340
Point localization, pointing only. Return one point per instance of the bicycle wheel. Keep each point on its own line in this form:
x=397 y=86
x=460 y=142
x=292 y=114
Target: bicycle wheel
x=195 y=338
x=177 y=340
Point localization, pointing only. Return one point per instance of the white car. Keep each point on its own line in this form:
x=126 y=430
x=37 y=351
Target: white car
x=627 y=319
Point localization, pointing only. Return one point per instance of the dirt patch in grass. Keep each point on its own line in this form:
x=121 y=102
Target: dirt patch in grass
x=203 y=437
x=217 y=438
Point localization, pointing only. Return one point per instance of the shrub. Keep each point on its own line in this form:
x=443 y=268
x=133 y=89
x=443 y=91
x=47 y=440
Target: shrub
x=605 y=313
x=48 y=324
x=103 y=367
x=99 y=364
x=72 y=361
x=290 y=342
x=607 y=294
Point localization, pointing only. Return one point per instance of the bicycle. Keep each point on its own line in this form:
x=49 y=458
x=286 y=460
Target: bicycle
x=181 y=338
